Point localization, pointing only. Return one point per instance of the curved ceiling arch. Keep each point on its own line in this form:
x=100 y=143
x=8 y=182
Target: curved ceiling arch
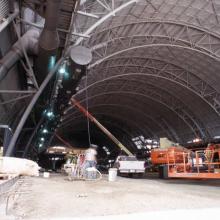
x=120 y=124
x=151 y=62
x=130 y=48
x=104 y=18
x=157 y=93
x=197 y=131
x=145 y=129
x=105 y=50
x=172 y=78
x=132 y=110
x=163 y=124
x=121 y=131
x=186 y=33
x=146 y=119
x=153 y=10
x=119 y=27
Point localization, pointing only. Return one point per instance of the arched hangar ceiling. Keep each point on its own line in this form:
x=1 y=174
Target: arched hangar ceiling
x=155 y=68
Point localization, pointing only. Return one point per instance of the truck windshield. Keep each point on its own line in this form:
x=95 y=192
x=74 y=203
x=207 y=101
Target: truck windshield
x=128 y=158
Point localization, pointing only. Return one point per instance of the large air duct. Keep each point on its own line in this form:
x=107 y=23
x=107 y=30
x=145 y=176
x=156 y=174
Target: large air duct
x=30 y=43
x=49 y=41
x=44 y=44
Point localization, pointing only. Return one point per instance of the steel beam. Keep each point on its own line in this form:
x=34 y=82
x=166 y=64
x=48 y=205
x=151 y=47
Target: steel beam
x=87 y=14
x=8 y=20
x=188 y=121
x=18 y=91
x=30 y=107
x=145 y=129
x=170 y=76
x=145 y=117
x=104 y=18
x=162 y=94
x=15 y=99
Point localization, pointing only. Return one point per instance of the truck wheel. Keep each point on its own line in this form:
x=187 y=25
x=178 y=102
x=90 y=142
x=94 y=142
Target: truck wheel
x=140 y=175
x=130 y=175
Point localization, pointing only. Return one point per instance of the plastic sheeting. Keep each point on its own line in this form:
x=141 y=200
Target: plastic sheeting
x=18 y=166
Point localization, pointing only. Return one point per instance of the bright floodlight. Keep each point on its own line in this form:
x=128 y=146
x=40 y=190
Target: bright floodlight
x=45 y=131
x=62 y=70
x=49 y=114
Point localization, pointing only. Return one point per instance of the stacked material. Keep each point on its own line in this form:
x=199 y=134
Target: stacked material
x=18 y=166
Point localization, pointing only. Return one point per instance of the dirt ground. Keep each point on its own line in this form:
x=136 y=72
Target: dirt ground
x=57 y=197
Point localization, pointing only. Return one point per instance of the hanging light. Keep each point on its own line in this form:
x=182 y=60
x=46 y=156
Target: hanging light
x=52 y=62
x=63 y=70
x=45 y=131
x=40 y=145
x=196 y=140
x=42 y=139
x=49 y=114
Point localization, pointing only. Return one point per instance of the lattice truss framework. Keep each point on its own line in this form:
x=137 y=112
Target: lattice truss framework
x=155 y=68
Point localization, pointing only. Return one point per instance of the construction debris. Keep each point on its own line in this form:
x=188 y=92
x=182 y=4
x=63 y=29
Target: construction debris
x=18 y=166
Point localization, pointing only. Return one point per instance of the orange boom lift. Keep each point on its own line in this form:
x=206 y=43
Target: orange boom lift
x=179 y=162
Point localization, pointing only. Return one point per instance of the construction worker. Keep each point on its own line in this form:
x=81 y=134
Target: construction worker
x=90 y=157
x=209 y=152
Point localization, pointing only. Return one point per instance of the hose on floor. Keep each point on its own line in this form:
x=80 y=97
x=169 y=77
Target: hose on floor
x=97 y=179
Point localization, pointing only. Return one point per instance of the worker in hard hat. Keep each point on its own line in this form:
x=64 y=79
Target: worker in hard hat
x=90 y=157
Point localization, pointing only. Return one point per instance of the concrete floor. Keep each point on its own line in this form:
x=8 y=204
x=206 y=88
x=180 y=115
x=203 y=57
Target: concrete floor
x=57 y=197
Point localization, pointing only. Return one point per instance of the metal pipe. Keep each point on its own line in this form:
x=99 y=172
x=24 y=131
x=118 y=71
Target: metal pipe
x=29 y=41
x=31 y=138
x=51 y=16
x=40 y=26
x=30 y=107
x=30 y=70
x=17 y=91
x=104 y=18
x=6 y=127
x=15 y=99
x=8 y=20
x=7 y=137
x=48 y=41
x=11 y=6
x=80 y=56
x=87 y=14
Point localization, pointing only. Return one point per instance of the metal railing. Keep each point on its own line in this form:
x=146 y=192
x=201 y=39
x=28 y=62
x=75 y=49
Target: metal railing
x=194 y=162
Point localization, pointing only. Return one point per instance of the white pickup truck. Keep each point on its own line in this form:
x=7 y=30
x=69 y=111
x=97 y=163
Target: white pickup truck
x=129 y=165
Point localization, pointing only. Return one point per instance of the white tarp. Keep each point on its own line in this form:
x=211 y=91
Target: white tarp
x=18 y=166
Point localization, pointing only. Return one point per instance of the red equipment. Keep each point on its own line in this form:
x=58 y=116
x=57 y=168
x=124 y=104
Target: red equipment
x=179 y=162
x=99 y=125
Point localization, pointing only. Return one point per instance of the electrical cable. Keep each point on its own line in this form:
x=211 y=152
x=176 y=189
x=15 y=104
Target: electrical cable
x=98 y=178
x=87 y=108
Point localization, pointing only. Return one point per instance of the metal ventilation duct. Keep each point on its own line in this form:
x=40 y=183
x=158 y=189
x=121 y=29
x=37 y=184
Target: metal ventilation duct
x=48 y=41
x=4 y=9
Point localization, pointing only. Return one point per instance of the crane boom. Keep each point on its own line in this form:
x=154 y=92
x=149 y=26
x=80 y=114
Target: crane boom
x=100 y=126
x=64 y=141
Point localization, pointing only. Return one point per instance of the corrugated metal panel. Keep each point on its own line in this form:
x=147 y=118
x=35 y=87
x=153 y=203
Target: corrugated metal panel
x=67 y=9
x=4 y=9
